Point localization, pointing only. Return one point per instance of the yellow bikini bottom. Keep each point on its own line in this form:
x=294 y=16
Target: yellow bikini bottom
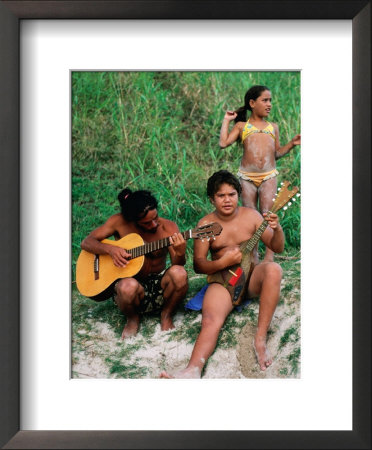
x=257 y=178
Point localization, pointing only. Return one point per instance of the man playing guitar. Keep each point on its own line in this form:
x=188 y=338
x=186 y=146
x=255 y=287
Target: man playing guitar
x=239 y=224
x=154 y=288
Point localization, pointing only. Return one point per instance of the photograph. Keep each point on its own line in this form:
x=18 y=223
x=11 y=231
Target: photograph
x=195 y=178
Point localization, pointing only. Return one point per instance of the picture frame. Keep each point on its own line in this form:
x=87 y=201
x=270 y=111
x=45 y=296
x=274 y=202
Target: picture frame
x=11 y=12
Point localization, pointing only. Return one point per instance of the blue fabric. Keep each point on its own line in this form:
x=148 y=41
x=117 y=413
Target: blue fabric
x=243 y=304
x=196 y=303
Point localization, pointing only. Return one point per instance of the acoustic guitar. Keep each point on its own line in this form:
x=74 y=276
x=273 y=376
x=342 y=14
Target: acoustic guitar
x=235 y=278
x=96 y=273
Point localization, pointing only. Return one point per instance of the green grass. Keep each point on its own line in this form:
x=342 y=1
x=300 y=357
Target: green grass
x=294 y=360
x=159 y=131
x=290 y=335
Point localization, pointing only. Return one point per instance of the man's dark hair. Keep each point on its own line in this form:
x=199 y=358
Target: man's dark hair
x=135 y=205
x=219 y=178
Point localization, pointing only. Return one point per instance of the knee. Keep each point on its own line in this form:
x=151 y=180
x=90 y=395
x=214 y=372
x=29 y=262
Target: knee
x=178 y=275
x=274 y=272
x=211 y=321
x=127 y=289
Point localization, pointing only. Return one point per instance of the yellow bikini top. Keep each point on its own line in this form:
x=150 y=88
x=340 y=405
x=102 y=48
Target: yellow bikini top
x=251 y=129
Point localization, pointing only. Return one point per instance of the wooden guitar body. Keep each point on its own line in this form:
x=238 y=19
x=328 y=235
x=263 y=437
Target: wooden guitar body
x=235 y=278
x=90 y=283
x=96 y=273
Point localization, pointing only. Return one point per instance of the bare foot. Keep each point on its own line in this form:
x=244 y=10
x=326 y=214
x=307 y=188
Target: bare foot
x=165 y=374
x=189 y=372
x=166 y=323
x=130 y=328
x=262 y=355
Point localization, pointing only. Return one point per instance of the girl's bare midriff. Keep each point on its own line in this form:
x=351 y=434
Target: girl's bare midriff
x=258 y=154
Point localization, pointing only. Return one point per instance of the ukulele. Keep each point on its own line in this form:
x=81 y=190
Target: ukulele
x=235 y=278
x=96 y=273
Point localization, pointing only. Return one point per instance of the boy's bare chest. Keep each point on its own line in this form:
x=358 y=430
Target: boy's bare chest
x=233 y=235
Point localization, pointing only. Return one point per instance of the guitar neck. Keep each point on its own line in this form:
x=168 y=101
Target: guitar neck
x=252 y=242
x=282 y=199
x=156 y=245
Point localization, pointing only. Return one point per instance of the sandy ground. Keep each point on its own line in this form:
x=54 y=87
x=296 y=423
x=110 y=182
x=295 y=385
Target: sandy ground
x=161 y=352
x=246 y=355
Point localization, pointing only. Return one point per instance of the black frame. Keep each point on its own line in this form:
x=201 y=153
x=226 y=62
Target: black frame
x=11 y=12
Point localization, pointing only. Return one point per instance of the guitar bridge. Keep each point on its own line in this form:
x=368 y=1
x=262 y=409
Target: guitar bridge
x=96 y=267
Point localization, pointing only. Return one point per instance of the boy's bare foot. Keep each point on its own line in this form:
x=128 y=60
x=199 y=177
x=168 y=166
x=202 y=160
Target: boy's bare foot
x=189 y=372
x=263 y=357
x=130 y=328
x=165 y=374
x=166 y=323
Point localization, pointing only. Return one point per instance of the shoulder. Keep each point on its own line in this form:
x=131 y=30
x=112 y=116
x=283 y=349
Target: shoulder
x=168 y=225
x=207 y=219
x=275 y=126
x=240 y=125
x=112 y=225
x=116 y=220
x=249 y=213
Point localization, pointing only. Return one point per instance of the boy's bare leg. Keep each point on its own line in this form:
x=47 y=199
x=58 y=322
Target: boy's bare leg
x=265 y=283
x=174 y=285
x=216 y=307
x=128 y=296
x=266 y=193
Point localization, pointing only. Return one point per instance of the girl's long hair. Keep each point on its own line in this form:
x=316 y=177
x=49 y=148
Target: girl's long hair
x=252 y=94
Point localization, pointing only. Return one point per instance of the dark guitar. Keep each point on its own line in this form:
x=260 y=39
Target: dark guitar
x=235 y=278
x=95 y=273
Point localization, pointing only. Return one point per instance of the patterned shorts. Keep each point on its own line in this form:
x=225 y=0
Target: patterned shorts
x=153 y=299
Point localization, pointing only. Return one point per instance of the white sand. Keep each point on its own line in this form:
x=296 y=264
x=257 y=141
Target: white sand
x=160 y=352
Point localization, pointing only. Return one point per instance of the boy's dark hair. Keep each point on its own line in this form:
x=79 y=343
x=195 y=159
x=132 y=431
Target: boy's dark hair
x=252 y=94
x=221 y=177
x=135 y=205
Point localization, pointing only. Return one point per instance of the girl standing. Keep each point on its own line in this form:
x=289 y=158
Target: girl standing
x=261 y=148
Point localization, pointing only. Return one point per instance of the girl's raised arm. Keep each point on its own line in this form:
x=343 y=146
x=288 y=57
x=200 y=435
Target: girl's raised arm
x=227 y=138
